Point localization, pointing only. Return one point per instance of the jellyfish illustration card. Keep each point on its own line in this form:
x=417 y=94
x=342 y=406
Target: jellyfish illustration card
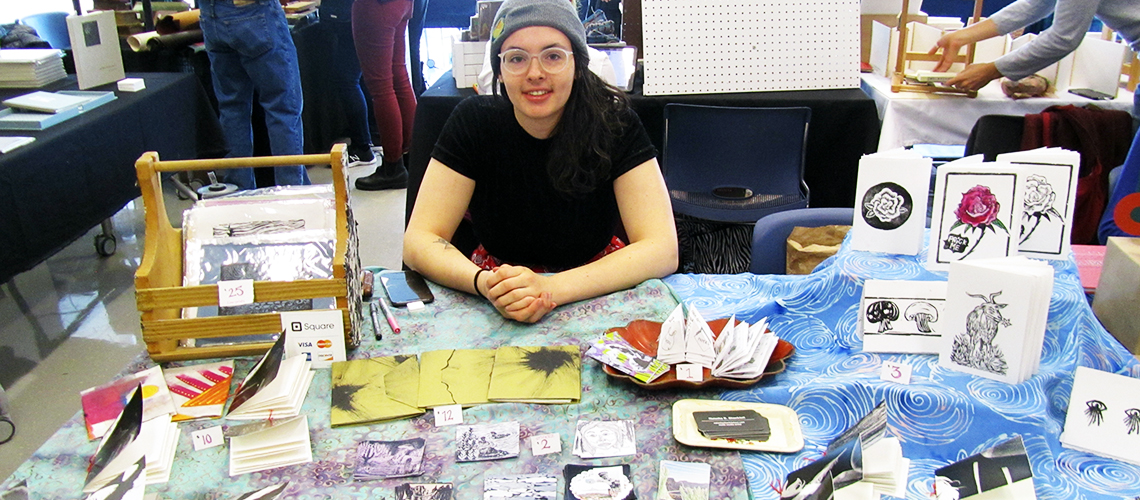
x=1104 y=415
x=902 y=316
x=1050 y=199
x=976 y=213
x=891 y=200
x=995 y=317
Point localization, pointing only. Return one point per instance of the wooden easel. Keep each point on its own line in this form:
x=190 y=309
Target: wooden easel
x=898 y=79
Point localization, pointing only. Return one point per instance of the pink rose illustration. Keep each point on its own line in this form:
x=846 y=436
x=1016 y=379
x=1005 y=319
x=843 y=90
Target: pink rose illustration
x=977 y=211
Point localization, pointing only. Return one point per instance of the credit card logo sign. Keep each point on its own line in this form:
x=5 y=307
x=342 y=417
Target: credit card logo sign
x=295 y=326
x=324 y=343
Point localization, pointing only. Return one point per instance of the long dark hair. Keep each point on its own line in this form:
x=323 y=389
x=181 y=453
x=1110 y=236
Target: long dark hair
x=593 y=120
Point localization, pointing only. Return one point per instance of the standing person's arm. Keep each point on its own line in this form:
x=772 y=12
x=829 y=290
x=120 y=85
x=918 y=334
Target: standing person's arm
x=1071 y=20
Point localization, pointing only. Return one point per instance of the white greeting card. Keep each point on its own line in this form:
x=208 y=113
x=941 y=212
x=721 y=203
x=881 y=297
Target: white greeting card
x=996 y=311
x=976 y=213
x=902 y=316
x=1104 y=415
x=1050 y=198
x=95 y=46
x=891 y=201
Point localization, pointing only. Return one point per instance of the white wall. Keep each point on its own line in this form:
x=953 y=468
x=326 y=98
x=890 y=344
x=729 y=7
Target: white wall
x=11 y=10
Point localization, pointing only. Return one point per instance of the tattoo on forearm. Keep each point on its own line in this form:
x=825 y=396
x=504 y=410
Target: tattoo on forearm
x=446 y=244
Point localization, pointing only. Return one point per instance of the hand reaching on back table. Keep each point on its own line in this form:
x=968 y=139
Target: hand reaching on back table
x=519 y=293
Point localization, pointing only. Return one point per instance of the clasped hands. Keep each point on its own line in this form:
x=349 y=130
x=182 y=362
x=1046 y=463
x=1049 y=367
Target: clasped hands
x=974 y=76
x=517 y=292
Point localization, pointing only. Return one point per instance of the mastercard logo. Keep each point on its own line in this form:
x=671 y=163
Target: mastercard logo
x=324 y=344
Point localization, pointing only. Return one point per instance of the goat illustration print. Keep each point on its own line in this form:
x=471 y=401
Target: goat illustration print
x=976 y=348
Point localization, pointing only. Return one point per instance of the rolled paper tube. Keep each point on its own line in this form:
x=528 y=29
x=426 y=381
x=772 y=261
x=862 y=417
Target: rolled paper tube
x=175 y=40
x=139 y=42
x=179 y=21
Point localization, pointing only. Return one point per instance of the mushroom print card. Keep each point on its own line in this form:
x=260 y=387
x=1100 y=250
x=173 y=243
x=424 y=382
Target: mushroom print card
x=1104 y=415
x=891 y=200
x=995 y=317
x=902 y=316
x=976 y=213
x=1050 y=198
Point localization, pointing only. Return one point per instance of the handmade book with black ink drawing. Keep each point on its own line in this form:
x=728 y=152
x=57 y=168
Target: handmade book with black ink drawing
x=375 y=390
x=885 y=469
x=1104 y=415
x=275 y=387
x=546 y=374
x=269 y=444
x=686 y=338
x=133 y=450
x=997 y=473
x=976 y=213
x=996 y=312
x=458 y=376
x=891 y=200
x=1050 y=200
x=902 y=316
x=103 y=404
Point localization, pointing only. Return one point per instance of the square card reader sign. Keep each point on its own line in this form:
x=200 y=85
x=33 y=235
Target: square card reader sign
x=316 y=334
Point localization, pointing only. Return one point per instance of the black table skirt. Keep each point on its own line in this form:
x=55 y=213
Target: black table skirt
x=82 y=171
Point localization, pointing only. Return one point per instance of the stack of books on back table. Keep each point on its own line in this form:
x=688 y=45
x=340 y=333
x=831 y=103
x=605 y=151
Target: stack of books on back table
x=30 y=68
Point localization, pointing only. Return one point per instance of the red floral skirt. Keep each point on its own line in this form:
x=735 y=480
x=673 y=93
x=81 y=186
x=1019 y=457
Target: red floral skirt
x=489 y=262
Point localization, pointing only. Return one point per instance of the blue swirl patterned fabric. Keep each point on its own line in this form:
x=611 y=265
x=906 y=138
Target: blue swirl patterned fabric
x=943 y=416
x=454 y=320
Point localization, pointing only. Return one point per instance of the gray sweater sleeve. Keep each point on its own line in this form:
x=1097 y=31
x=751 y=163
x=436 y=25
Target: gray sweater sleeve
x=1070 y=23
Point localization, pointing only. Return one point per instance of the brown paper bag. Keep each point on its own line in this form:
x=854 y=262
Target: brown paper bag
x=808 y=246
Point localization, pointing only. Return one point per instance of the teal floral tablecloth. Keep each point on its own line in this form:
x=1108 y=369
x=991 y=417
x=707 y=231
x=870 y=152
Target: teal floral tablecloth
x=943 y=415
x=454 y=320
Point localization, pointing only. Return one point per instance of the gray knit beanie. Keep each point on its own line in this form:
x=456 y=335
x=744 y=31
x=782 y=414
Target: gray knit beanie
x=515 y=15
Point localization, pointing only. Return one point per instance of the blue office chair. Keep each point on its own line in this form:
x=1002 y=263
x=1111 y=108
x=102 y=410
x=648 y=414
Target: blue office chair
x=770 y=236
x=52 y=27
x=731 y=164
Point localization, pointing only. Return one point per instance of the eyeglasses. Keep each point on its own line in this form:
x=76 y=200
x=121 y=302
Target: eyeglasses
x=552 y=60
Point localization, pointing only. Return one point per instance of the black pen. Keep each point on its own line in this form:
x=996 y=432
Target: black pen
x=376 y=321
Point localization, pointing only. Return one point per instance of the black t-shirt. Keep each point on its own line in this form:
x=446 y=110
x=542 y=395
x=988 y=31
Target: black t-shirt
x=516 y=213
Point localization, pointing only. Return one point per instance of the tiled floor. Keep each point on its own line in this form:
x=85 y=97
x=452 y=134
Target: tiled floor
x=71 y=323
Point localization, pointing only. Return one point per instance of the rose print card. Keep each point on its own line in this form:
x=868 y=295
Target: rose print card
x=976 y=213
x=1050 y=198
x=890 y=203
x=1104 y=415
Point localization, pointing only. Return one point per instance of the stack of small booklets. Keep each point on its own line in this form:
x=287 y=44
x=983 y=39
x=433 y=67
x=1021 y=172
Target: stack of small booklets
x=996 y=312
x=40 y=110
x=733 y=424
x=275 y=387
x=269 y=444
x=133 y=453
x=861 y=463
x=740 y=351
x=616 y=352
x=1001 y=471
x=1104 y=415
x=30 y=68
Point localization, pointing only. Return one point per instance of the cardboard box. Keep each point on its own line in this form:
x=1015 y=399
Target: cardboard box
x=891 y=20
x=1118 y=293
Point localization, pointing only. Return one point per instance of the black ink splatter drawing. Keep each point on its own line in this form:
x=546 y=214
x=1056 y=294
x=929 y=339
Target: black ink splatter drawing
x=883 y=312
x=1132 y=420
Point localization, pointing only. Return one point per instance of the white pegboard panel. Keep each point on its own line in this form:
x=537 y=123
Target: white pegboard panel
x=719 y=46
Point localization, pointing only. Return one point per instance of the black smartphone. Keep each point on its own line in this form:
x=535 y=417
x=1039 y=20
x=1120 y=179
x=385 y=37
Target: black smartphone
x=1092 y=94
x=405 y=287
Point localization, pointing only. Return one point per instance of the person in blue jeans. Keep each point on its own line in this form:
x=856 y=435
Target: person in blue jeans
x=250 y=50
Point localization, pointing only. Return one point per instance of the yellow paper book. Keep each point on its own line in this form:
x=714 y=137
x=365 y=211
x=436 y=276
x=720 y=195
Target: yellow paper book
x=459 y=376
x=550 y=374
x=374 y=389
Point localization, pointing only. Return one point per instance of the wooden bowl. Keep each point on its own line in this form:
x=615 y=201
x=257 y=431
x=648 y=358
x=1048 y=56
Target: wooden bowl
x=642 y=335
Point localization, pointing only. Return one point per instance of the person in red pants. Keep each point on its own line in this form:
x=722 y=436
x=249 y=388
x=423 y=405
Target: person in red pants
x=378 y=28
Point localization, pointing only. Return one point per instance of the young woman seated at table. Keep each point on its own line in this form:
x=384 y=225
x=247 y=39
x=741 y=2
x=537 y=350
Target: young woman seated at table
x=546 y=174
